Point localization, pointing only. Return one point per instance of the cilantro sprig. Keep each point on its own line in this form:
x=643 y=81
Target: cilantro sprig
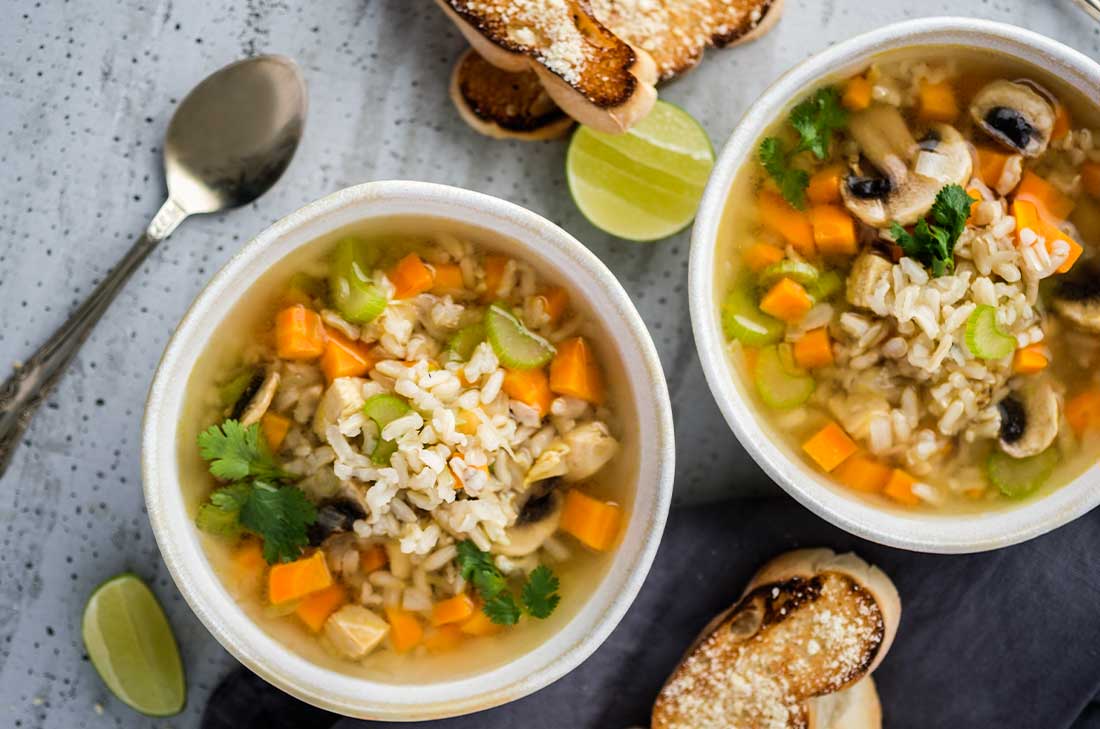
x=934 y=244
x=815 y=119
x=538 y=596
x=259 y=500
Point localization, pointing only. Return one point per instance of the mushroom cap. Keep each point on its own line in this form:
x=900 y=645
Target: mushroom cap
x=886 y=142
x=1039 y=428
x=1014 y=114
x=528 y=534
x=1077 y=299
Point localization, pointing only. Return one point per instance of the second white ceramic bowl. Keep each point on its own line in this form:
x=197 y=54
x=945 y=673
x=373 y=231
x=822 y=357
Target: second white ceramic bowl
x=922 y=532
x=514 y=230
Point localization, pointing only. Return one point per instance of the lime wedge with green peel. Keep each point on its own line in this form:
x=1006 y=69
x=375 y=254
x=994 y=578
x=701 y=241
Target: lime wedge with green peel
x=131 y=645
x=515 y=345
x=644 y=184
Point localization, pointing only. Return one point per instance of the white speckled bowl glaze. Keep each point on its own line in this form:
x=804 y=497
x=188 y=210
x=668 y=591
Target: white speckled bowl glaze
x=537 y=240
x=950 y=533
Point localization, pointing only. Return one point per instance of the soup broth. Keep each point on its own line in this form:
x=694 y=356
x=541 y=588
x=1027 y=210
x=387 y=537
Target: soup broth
x=927 y=353
x=582 y=493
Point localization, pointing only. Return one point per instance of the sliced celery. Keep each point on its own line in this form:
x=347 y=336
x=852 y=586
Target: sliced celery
x=984 y=338
x=515 y=345
x=463 y=343
x=383 y=410
x=780 y=383
x=1020 y=477
x=797 y=271
x=742 y=319
x=353 y=293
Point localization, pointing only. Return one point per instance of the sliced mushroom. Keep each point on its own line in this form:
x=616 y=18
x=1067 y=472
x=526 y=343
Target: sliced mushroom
x=912 y=172
x=334 y=517
x=868 y=271
x=537 y=522
x=1016 y=115
x=261 y=401
x=1077 y=299
x=1029 y=421
x=590 y=448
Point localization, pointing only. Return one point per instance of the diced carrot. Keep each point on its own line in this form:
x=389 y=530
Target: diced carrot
x=1029 y=360
x=814 y=349
x=294 y=580
x=991 y=165
x=575 y=372
x=531 y=387
x=480 y=625
x=777 y=215
x=863 y=473
x=786 y=300
x=299 y=333
x=759 y=256
x=595 y=523
x=314 y=609
x=1090 y=178
x=555 y=300
x=1083 y=411
x=248 y=558
x=274 y=427
x=900 y=488
x=857 y=93
x=975 y=195
x=405 y=629
x=345 y=358
x=834 y=230
x=444 y=638
x=453 y=610
x=372 y=558
x=1053 y=206
x=1028 y=217
x=1063 y=121
x=410 y=277
x=937 y=102
x=824 y=185
x=752 y=356
x=829 y=447
x=494 y=273
x=446 y=278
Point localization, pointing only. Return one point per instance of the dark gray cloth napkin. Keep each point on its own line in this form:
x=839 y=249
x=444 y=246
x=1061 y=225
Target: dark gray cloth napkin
x=1007 y=639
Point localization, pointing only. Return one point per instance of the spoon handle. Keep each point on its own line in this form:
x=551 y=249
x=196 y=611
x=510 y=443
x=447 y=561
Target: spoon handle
x=28 y=386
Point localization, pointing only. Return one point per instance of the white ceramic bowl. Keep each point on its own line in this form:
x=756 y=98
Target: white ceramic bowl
x=922 y=532
x=554 y=251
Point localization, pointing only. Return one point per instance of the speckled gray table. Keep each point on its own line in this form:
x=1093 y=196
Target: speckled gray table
x=86 y=90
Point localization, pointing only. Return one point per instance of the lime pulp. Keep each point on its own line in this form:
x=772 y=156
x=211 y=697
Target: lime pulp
x=131 y=645
x=646 y=183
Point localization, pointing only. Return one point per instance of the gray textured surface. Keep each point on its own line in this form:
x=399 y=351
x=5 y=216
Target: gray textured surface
x=86 y=90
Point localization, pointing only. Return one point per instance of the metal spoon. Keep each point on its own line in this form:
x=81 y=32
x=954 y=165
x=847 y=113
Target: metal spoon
x=227 y=144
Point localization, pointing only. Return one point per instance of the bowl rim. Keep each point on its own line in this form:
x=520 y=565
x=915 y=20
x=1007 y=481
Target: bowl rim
x=357 y=697
x=961 y=533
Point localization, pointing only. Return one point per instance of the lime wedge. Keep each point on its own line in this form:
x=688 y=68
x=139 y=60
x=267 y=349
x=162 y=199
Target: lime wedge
x=132 y=647
x=643 y=184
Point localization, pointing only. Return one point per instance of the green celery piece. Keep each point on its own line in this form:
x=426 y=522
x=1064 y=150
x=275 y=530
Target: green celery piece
x=1018 y=478
x=515 y=345
x=463 y=343
x=779 y=383
x=742 y=319
x=353 y=293
x=384 y=409
x=984 y=338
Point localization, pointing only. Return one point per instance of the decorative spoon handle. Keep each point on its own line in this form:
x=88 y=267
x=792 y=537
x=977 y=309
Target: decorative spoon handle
x=1092 y=7
x=28 y=386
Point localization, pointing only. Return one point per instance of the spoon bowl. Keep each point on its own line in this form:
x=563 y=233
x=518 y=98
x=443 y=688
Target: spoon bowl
x=220 y=155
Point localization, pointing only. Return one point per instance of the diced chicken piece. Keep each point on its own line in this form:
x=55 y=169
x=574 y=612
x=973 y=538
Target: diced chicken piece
x=867 y=272
x=355 y=631
x=343 y=397
x=590 y=448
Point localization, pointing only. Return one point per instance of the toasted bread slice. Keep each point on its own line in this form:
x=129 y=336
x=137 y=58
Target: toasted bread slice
x=675 y=33
x=503 y=104
x=593 y=75
x=810 y=623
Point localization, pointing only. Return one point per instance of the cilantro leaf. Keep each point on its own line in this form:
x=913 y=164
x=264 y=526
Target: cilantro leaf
x=934 y=245
x=221 y=514
x=236 y=452
x=792 y=182
x=540 y=593
x=502 y=609
x=477 y=568
x=280 y=515
x=816 y=118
